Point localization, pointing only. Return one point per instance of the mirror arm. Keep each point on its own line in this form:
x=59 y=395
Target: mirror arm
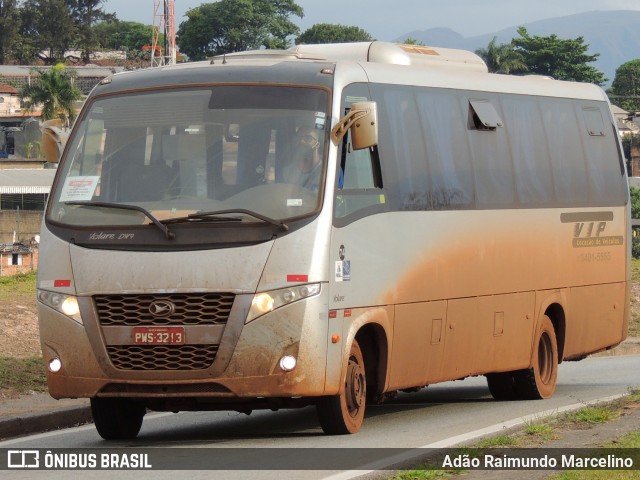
x=345 y=123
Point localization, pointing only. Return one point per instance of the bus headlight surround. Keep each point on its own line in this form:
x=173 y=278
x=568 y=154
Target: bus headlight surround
x=65 y=304
x=266 y=302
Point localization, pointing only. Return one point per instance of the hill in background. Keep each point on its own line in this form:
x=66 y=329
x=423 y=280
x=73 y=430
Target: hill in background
x=615 y=35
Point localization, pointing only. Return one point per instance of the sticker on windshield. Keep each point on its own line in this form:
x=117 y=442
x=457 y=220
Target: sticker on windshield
x=321 y=119
x=79 y=189
x=294 y=202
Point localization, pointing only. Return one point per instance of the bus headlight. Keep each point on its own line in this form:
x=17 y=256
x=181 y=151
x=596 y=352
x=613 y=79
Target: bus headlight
x=266 y=302
x=65 y=304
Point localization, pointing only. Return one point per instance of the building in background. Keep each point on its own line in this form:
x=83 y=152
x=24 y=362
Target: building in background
x=23 y=196
x=18 y=258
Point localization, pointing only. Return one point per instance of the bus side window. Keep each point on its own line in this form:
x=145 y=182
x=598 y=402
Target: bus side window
x=357 y=171
x=359 y=181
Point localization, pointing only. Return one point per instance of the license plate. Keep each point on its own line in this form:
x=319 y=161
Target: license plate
x=158 y=335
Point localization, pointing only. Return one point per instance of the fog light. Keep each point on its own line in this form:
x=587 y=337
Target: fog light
x=288 y=363
x=55 y=365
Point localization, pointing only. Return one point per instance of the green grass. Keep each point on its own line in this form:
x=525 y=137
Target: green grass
x=635 y=270
x=634 y=320
x=628 y=441
x=634 y=395
x=22 y=285
x=597 y=475
x=20 y=282
x=426 y=474
x=538 y=431
x=22 y=375
x=632 y=440
x=593 y=415
x=499 y=441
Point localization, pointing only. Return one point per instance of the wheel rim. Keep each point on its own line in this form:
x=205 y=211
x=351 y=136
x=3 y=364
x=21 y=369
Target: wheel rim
x=545 y=359
x=355 y=387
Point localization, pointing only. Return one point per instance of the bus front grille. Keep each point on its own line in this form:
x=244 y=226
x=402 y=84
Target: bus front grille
x=162 y=357
x=186 y=309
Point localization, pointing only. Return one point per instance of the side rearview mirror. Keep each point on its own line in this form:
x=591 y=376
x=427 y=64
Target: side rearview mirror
x=363 y=122
x=54 y=138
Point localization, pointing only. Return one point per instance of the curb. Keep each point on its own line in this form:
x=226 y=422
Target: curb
x=30 y=423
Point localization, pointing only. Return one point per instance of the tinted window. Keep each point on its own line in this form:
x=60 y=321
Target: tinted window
x=450 y=183
x=491 y=158
x=529 y=150
x=567 y=153
x=603 y=167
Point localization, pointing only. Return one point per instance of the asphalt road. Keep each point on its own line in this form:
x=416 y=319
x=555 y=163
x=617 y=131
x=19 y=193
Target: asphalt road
x=438 y=416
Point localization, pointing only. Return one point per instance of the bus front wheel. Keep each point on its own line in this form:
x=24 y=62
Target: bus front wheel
x=117 y=418
x=344 y=413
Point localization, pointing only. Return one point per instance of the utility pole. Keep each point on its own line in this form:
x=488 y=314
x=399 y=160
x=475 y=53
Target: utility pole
x=163 y=21
x=17 y=225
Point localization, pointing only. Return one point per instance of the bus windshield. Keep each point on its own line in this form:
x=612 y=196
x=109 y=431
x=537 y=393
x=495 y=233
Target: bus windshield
x=255 y=151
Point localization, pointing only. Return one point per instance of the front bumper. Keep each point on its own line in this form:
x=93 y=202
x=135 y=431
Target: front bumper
x=246 y=364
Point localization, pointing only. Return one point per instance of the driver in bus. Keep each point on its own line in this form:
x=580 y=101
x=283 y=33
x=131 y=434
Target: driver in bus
x=306 y=166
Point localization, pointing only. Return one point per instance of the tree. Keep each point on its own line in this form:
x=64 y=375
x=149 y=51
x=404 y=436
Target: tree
x=85 y=14
x=9 y=16
x=502 y=58
x=635 y=202
x=625 y=89
x=118 y=35
x=330 y=33
x=237 y=25
x=413 y=41
x=558 y=58
x=49 y=27
x=25 y=45
x=54 y=90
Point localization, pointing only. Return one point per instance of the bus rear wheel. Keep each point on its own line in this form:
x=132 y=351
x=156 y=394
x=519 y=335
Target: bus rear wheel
x=502 y=385
x=117 y=418
x=344 y=413
x=540 y=381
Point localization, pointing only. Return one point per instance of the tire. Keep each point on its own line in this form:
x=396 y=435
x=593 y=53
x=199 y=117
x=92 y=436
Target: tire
x=344 y=413
x=117 y=418
x=540 y=381
x=502 y=385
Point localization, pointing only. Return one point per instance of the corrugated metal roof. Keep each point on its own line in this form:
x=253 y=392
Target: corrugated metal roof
x=26 y=181
x=21 y=70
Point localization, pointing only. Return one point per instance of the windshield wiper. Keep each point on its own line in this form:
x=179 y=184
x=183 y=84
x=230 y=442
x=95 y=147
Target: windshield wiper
x=215 y=215
x=168 y=233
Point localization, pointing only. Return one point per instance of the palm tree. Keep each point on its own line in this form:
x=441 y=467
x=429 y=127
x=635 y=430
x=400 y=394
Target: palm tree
x=502 y=58
x=53 y=89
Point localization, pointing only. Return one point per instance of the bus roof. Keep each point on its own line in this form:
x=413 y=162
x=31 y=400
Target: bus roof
x=383 y=62
x=430 y=66
x=395 y=54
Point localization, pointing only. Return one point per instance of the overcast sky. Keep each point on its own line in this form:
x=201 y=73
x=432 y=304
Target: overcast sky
x=390 y=19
